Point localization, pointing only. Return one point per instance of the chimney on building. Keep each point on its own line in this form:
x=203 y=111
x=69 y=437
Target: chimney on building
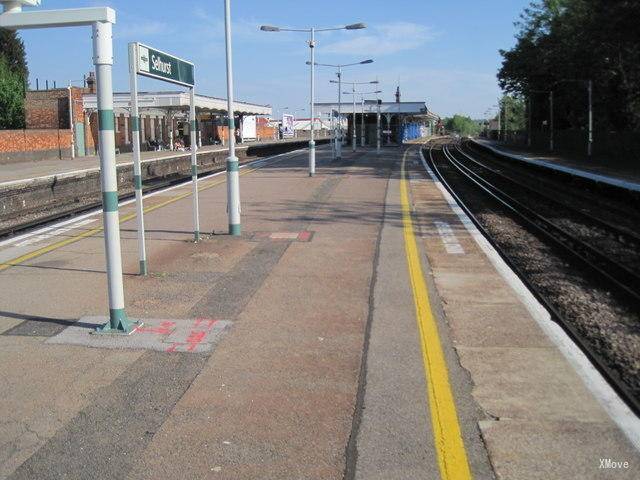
x=91 y=82
x=398 y=94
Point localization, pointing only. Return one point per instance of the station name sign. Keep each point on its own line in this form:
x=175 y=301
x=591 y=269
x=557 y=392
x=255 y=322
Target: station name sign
x=156 y=64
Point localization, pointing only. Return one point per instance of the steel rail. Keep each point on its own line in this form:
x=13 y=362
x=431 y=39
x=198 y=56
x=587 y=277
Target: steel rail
x=604 y=224
x=611 y=375
x=620 y=275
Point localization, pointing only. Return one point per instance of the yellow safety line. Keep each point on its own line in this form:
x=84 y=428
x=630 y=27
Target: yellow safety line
x=452 y=457
x=88 y=233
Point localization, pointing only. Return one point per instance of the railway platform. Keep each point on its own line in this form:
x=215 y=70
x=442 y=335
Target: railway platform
x=359 y=328
x=17 y=171
x=627 y=178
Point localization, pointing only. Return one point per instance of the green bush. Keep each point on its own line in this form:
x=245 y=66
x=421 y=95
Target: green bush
x=11 y=98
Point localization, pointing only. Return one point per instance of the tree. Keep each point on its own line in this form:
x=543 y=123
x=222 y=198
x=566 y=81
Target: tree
x=462 y=125
x=11 y=98
x=12 y=49
x=563 y=43
x=13 y=76
x=513 y=113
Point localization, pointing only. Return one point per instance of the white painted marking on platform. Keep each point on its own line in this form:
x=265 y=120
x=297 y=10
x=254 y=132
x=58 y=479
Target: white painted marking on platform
x=449 y=239
x=615 y=407
x=284 y=235
x=53 y=233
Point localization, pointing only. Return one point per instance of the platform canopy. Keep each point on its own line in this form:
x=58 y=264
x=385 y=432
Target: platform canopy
x=371 y=106
x=177 y=101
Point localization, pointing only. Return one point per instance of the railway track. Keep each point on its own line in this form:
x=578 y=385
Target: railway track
x=579 y=238
x=610 y=254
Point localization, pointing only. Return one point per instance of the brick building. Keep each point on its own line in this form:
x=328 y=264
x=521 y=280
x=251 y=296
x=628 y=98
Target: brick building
x=62 y=122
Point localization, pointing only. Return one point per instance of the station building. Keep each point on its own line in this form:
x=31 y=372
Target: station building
x=164 y=118
x=395 y=119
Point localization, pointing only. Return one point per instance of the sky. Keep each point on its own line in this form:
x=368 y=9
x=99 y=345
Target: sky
x=444 y=53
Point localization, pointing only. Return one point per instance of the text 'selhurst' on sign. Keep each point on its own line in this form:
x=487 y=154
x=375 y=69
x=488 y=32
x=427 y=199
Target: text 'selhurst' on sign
x=160 y=65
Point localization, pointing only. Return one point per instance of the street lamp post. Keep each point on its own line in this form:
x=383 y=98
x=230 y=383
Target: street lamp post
x=312 y=31
x=338 y=141
x=353 y=125
x=362 y=125
x=233 y=175
x=378 y=129
x=354 y=93
x=362 y=100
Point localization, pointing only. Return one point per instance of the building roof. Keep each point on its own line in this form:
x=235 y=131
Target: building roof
x=371 y=106
x=177 y=101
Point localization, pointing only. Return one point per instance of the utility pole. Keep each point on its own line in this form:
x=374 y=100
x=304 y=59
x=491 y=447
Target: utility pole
x=530 y=116
x=551 y=121
x=590 y=140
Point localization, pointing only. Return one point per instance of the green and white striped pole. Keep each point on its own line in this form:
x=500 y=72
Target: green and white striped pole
x=137 y=171
x=233 y=175
x=194 y=163
x=103 y=61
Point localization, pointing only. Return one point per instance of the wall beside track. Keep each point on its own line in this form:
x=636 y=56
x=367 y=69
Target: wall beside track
x=30 y=201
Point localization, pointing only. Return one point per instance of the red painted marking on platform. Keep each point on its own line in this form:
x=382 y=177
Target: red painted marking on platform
x=304 y=236
x=195 y=338
x=209 y=323
x=165 y=328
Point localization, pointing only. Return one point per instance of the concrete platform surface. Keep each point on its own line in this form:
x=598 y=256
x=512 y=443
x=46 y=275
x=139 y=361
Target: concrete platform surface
x=290 y=352
x=627 y=176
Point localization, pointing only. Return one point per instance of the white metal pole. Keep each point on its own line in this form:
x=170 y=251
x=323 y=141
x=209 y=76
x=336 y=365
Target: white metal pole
x=233 y=176
x=103 y=61
x=72 y=124
x=378 y=130
x=312 y=143
x=334 y=134
x=353 y=130
x=137 y=171
x=170 y=129
x=590 y=140
x=340 y=134
x=194 y=164
x=362 y=125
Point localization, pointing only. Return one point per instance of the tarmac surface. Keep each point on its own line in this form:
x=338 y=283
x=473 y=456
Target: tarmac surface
x=292 y=352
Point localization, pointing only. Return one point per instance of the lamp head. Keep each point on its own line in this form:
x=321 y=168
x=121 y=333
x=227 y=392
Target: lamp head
x=16 y=5
x=355 y=26
x=269 y=28
x=366 y=61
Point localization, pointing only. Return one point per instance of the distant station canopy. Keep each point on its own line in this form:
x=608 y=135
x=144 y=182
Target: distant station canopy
x=394 y=117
